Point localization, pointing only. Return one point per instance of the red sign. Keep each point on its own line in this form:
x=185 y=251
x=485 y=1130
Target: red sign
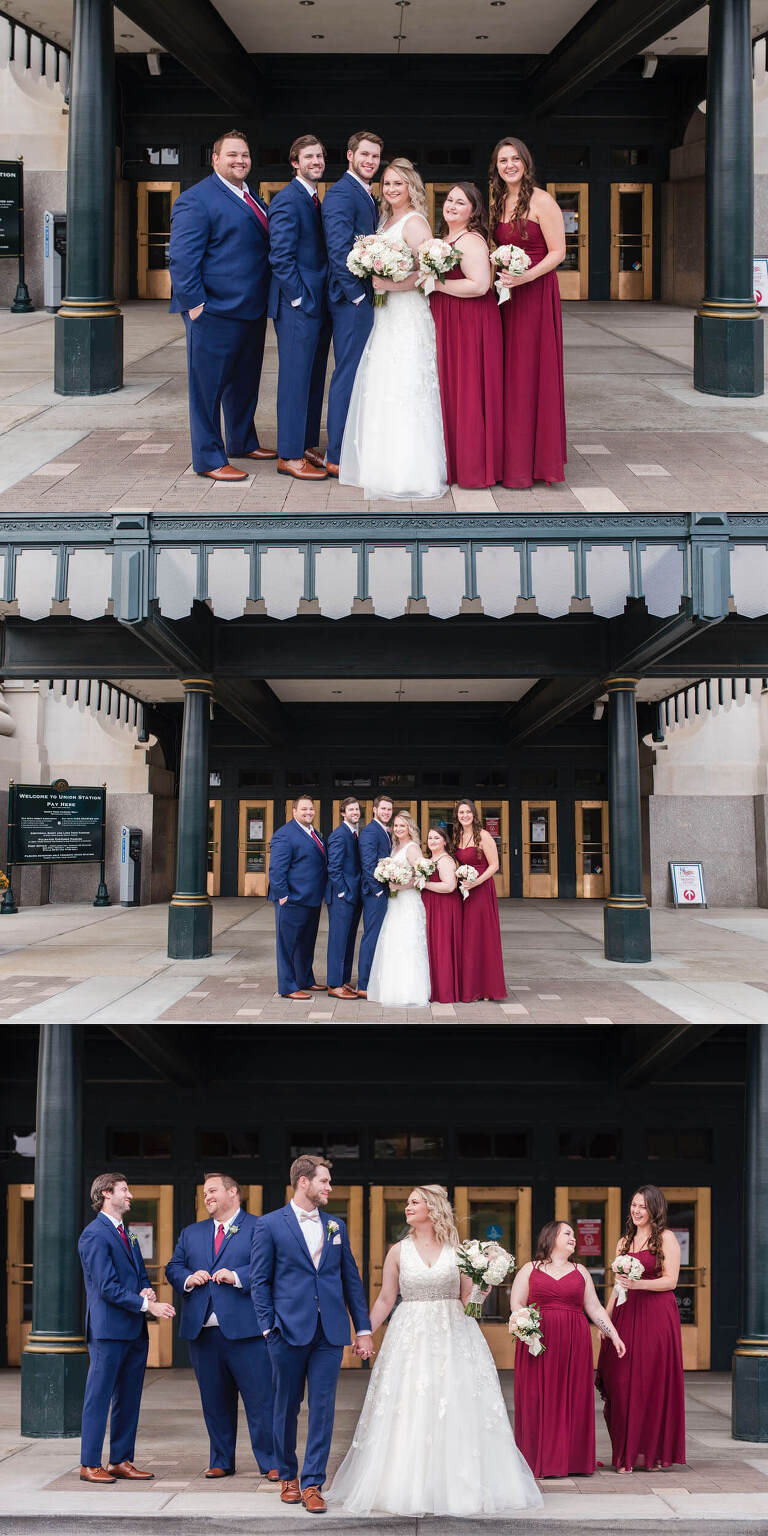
x=492 y=825
x=589 y=1237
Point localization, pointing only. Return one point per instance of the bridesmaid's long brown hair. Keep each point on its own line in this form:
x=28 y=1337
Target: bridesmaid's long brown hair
x=477 y=825
x=477 y=218
x=499 y=186
x=656 y=1203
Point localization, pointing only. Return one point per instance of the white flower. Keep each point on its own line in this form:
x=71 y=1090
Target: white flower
x=509 y=258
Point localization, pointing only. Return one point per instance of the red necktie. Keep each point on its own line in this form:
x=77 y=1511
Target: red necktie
x=218 y=1239
x=124 y=1236
x=317 y=840
x=316 y=201
x=253 y=205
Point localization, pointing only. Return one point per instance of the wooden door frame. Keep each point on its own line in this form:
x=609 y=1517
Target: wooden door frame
x=589 y=894
x=501 y=880
x=269 y=827
x=646 y=187
x=214 y=875
x=143 y=188
x=378 y=1194
x=525 y=807
x=17 y=1195
x=430 y=188
x=582 y=276
x=269 y=189
x=497 y=1335
x=697 y=1354
x=161 y=1331
x=611 y=1193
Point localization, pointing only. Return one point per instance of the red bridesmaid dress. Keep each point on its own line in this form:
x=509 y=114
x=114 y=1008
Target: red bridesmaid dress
x=482 y=966
x=443 y=941
x=471 y=373
x=644 y=1397
x=554 y=1392
x=534 y=392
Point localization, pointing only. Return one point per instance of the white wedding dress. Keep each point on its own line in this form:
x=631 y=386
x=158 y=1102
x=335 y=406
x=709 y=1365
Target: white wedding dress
x=434 y=1436
x=400 y=972
x=393 y=439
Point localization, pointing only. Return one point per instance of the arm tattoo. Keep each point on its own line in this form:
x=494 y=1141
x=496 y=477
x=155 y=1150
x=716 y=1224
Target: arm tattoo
x=605 y=1327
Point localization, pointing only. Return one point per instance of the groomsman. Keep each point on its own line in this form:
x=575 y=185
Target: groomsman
x=375 y=844
x=343 y=899
x=298 y=876
x=349 y=210
x=219 y=263
x=297 y=306
x=210 y=1268
x=118 y=1299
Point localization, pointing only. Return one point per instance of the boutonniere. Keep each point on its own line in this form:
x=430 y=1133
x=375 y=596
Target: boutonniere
x=332 y=1228
x=232 y=1231
x=132 y=1238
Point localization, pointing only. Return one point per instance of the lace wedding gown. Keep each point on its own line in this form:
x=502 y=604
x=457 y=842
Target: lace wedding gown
x=393 y=439
x=434 y=1437
x=400 y=972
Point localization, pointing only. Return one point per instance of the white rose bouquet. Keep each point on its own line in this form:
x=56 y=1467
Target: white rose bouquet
x=422 y=870
x=626 y=1266
x=376 y=256
x=466 y=874
x=509 y=258
x=525 y=1325
x=436 y=257
x=389 y=872
x=486 y=1264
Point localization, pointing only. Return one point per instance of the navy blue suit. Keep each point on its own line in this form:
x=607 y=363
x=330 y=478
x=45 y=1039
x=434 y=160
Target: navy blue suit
x=116 y=1330
x=348 y=211
x=298 y=869
x=343 y=897
x=305 y=1310
x=219 y=257
x=299 y=271
x=375 y=843
x=232 y=1358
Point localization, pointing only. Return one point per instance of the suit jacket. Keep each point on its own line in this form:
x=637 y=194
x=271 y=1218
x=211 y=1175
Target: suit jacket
x=233 y=1306
x=374 y=843
x=113 y=1279
x=348 y=211
x=288 y=1292
x=343 y=866
x=297 y=867
x=297 y=253
x=219 y=253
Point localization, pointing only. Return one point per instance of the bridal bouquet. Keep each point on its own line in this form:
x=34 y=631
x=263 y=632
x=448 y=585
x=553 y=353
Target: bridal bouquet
x=509 y=258
x=466 y=874
x=436 y=257
x=629 y=1268
x=376 y=256
x=525 y=1325
x=422 y=870
x=486 y=1264
x=390 y=872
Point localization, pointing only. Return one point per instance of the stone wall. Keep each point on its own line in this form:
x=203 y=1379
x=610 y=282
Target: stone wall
x=718 y=831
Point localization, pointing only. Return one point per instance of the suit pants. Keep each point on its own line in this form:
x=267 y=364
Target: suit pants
x=115 y=1378
x=295 y=931
x=224 y=358
x=343 y=920
x=302 y=348
x=351 y=328
x=315 y=1365
x=374 y=912
x=223 y=1368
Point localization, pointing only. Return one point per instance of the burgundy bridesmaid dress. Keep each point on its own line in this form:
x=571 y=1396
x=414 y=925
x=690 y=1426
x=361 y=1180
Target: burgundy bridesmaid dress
x=534 y=392
x=644 y=1398
x=554 y=1391
x=482 y=967
x=443 y=941
x=471 y=373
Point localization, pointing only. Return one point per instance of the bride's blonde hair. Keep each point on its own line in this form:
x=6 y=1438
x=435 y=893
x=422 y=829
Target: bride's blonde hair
x=435 y=1198
x=416 y=192
x=414 y=833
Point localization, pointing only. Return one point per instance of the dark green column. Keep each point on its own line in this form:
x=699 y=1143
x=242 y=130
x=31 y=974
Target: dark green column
x=750 y=1358
x=728 y=329
x=89 y=325
x=626 y=919
x=190 y=916
x=54 y=1364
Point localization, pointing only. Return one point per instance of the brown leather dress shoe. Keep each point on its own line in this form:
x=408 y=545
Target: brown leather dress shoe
x=313 y=1501
x=300 y=469
x=343 y=992
x=314 y=456
x=128 y=1470
x=96 y=1475
x=332 y=470
x=273 y=1476
x=361 y=994
x=219 y=1472
x=224 y=472
x=290 y=1493
x=257 y=453
x=317 y=986
x=304 y=996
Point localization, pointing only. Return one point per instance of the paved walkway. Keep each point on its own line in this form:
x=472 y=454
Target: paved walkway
x=640 y=438
x=724 y=1486
x=80 y=963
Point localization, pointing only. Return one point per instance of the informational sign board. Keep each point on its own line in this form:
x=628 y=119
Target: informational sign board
x=493 y=1233
x=10 y=208
x=687 y=885
x=52 y=825
x=760 y=281
x=589 y=1237
x=255 y=830
x=539 y=830
x=493 y=825
x=684 y=1238
x=143 y=1231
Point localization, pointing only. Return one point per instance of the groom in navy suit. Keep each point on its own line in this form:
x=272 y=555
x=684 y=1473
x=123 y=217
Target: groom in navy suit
x=343 y=897
x=219 y=263
x=375 y=844
x=297 y=305
x=349 y=210
x=298 y=876
x=303 y=1280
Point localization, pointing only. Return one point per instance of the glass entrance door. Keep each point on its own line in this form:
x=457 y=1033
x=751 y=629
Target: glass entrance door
x=153 y=232
x=255 y=831
x=592 y=857
x=572 y=198
x=436 y=191
x=386 y=1205
x=495 y=814
x=19 y=1267
x=347 y=1202
x=539 y=848
x=631 y=240
x=151 y=1222
x=505 y=1216
x=690 y=1220
x=594 y=1212
x=214 y=848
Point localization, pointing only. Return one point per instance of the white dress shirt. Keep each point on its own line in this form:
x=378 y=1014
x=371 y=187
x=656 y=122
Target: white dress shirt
x=311 y=1230
x=117 y=1222
x=238 y=191
x=213 y=1321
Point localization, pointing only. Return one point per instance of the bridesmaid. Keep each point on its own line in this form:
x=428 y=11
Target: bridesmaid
x=469 y=346
x=554 y=1391
x=534 y=397
x=482 y=966
x=644 y=1399
x=443 y=903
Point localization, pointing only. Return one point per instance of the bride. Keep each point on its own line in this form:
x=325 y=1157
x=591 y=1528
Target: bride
x=434 y=1437
x=400 y=972
x=393 y=440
